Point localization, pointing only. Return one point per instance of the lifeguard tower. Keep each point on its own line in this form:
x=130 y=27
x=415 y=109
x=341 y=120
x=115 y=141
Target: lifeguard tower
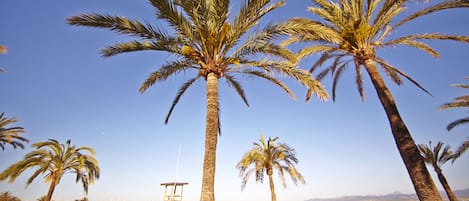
x=173 y=191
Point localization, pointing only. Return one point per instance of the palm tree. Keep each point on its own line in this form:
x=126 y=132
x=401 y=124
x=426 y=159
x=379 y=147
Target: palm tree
x=349 y=35
x=55 y=159
x=437 y=158
x=267 y=156
x=11 y=135
x=7 y=196
x=206 y=41
x=459 y=102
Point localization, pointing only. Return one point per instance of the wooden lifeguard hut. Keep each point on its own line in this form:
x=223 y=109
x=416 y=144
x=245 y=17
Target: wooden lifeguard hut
x=173 y=191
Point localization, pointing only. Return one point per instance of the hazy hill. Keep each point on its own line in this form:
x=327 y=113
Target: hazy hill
x=463 y=195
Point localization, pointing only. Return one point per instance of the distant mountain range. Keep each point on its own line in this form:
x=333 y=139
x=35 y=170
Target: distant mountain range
x=462 y=194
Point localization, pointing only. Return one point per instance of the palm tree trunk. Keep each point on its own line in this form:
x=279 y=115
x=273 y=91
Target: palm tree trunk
x=51 y=190
x=272 y=188
x=444 y=183
x=423 y=184
x=211 y=135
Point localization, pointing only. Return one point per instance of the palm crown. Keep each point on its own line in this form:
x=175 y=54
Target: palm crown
x=353 y=31
x=206 y=41
x=267 y=156
x=54 y=160
x=11 y=135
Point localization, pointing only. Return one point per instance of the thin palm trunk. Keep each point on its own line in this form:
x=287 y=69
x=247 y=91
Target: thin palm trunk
x=211 y=135
x=423 y=183
x=444 y=183
x=272 y=188
x=53 y=183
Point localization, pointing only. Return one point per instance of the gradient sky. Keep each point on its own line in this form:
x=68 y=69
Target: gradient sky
x=59 y=87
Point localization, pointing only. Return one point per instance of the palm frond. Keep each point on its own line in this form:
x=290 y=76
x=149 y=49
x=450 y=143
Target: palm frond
x=393 y=69
x=134 y=46
x=166 y=71
x=167 y=10
x=237 y=86
x=269 y=78
x=457 y=123
x=461 y=149
x=313 y=29
x=119 y=24
x=335 y=82
x=359 y=80
x=437 y=7
x=181 y=92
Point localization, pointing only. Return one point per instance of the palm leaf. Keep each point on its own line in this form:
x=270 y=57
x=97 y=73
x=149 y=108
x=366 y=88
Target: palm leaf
x=237 y=86
x=437 y=7
x=181 y=92
x=118 y=24
x=166 y=71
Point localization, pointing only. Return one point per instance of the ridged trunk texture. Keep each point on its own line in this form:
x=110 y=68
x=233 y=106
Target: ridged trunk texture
x=271 y=185
x=211 y=135
x=423 y=183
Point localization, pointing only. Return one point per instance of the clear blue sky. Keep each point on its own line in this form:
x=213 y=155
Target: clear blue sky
x=59 y=87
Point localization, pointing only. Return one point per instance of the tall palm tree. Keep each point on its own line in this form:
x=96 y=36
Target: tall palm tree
x=11 y=135
x=349 y=34
x=437 y=158
x=459 y=102
x=54 y=160
x=205 y=40
x=267 y=156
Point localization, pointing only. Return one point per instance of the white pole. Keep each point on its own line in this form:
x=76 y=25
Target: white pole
x=176 y=175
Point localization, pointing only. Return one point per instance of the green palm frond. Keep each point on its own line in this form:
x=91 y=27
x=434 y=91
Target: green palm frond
x=267 y=77
x=133 y=46
x=166 y=71
x=11 y=135
x=181 y=92
x=167 y=10
x=119 y=24
x=237 y=86
x=335 y=82
x=393 y=71
x=448 y=4
x=311 y=30
x=310 y=50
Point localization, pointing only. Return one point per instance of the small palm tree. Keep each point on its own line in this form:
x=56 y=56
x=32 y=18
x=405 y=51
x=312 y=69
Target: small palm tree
x=11 y=135
x=349 y=33
x=54 y=160
x=437 y=158
x=267 y=156
x=7 y=196
x=459 y=102
x=206 y=41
